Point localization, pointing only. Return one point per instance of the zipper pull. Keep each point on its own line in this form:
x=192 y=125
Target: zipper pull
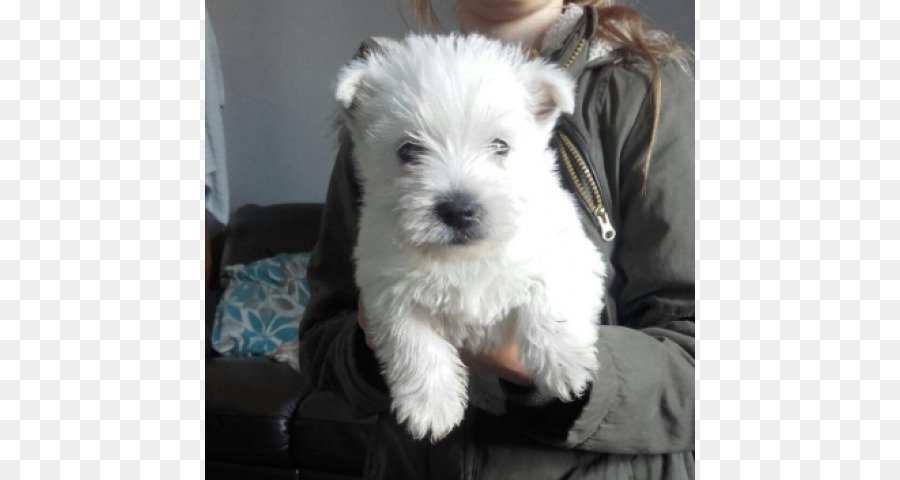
x=607 y=232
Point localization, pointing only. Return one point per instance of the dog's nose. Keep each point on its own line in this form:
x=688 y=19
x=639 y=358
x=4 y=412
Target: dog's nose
x=459 y=211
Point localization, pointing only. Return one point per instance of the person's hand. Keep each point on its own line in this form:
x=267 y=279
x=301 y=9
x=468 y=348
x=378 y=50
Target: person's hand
x=361 y=320
x=503 y=362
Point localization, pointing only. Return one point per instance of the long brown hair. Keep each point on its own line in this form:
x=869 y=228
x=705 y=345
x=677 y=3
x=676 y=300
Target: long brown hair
x=623 y=28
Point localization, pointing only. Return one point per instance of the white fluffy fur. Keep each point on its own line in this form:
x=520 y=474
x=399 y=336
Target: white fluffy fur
x=534 y=276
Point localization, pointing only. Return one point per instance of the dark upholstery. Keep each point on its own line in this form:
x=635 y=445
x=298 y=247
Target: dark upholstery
x=256 y=232
x=249 y=405
x=212 y=299
x=233 y=471
x=263 y=421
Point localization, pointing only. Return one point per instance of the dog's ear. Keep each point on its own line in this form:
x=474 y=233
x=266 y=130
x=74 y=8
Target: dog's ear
x=349 y=81
x=553 y=93
x=352 y=76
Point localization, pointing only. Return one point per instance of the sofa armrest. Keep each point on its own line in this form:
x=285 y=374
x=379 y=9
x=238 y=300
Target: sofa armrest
x=256 y=232
x=212 y=300
x=250 y=402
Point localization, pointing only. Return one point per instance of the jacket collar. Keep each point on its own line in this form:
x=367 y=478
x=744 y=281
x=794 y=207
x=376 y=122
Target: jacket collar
x=570 y=43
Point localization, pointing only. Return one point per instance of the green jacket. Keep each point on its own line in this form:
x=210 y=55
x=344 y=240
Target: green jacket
x=637 y=419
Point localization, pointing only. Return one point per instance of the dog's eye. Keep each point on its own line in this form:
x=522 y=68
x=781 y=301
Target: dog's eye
x=409 y=152
x=500 y=147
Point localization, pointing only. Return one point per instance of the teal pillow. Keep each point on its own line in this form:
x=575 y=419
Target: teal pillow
x=261 y=308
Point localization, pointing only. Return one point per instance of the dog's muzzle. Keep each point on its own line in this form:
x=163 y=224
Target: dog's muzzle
x=462 y=214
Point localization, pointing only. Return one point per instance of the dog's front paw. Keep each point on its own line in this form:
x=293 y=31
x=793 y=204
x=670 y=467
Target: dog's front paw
x=566 y=374
x=435 y=414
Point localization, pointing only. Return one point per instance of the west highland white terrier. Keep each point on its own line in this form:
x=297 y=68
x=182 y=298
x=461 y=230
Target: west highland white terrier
x=467 y=238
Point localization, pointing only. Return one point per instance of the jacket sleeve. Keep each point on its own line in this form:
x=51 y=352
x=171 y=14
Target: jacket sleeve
x=641 y=401
x=333 y=353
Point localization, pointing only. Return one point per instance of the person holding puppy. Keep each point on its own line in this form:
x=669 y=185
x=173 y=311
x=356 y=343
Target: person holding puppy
x=627 y=155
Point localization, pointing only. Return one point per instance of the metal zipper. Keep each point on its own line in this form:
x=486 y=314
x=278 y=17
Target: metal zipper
x=575 y=53
x=585 y=184
x=567 y=127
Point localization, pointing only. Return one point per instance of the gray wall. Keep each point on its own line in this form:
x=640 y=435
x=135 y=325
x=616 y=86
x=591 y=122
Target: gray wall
x=279 y=61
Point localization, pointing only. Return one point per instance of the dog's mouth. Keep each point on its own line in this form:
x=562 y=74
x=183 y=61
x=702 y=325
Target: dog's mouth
x=464 y=238
x=457 y=246
x=449 y=238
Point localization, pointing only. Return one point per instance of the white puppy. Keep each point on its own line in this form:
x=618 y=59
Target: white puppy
x=467 y=238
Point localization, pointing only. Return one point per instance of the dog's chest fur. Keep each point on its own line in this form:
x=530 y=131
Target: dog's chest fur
x=469 y=302
x=473 y=303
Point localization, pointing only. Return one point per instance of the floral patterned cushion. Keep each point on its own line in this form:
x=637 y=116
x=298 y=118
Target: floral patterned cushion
x=260 y=311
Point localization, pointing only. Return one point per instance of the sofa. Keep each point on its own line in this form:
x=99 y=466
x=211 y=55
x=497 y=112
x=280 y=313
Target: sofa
x=263 y=419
